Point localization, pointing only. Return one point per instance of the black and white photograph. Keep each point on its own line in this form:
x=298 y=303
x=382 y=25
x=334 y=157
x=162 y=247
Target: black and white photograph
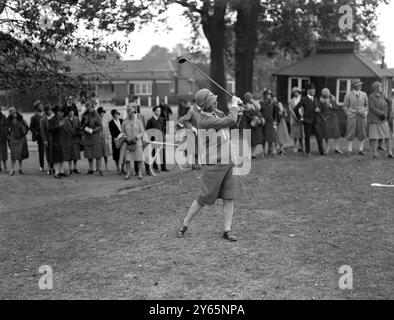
x=213 y=152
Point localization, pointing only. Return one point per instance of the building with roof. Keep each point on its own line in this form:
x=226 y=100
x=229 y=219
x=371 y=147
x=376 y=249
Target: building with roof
x=118 y=81
x=333 y=66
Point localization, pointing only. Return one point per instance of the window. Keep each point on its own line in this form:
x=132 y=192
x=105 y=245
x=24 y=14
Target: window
x=141 y=88
x=343 y=87
x=299 y=83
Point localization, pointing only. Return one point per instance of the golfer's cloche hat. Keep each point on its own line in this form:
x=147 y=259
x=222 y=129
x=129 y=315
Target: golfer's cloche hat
x=204 y=98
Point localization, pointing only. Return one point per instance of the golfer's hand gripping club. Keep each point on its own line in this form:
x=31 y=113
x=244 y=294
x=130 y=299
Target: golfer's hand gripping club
x=237 y=102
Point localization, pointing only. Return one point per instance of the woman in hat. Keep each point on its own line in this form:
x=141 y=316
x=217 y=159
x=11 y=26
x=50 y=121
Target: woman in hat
x=70 y=104
x=217 y=179
x=330 y=125
x=269 y=111
x=92 y=128
x=296 y=127
x=46 y=137
x=72 y=144
x=115 y=128
x=254 y=121
x=58 y=138
x=283 y=137
x=106 y=137
x=36 y=133
x=3 y=141
x=378 y=119
x=133 y=128
x=17 y=131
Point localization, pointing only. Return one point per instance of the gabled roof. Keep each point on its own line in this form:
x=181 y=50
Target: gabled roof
x=122 y=69
x=338 y=65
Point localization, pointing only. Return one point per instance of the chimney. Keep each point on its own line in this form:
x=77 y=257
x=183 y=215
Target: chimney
x=382 y=66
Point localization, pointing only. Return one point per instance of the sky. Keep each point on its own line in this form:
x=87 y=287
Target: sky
x=142 y=40
x=385 y=29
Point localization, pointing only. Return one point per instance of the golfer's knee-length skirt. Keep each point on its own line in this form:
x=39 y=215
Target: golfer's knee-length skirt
x=217 y=182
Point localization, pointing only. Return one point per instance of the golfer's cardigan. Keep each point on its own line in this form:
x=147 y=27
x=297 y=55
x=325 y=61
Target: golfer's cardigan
x=212 y=151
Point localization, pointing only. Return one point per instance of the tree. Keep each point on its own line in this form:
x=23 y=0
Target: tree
x=211 y=15
x=245 y=43
x=35 y=33
x=373 y=50
x=291 y=28
x=157 y=52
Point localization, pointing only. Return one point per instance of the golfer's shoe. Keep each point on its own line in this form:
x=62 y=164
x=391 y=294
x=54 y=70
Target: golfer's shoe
x=228 y=236
x=181 y=232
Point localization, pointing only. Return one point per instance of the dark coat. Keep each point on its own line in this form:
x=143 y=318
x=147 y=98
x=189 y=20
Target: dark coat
x=44 y=122
x=3 y=137
x=115 y=132
x=270 y=113
x=310 y=115
x=92 y=121
x=35 y=127
x=17 y=131
x=166 y=112
x=114 y=129
x=58 y=137
x=182 y=110
x=330 y=125
x=72 y=136
x=256 y=132
x=155 y=124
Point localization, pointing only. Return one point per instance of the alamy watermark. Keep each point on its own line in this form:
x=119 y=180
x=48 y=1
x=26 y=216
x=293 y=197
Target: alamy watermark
x=346 y=21
x=346 y=280
x=199 y=146
x=46 y=280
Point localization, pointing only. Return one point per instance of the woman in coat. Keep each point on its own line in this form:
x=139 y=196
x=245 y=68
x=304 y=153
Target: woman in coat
x=283 y=137
x=46 y=137
x=106 y=137
x=58 y=138
x=253 y=120
x=134 y=130
x=378 y=119
x=296 y=127
x=3 y=141
x=17 y=131
x=330 y=124
x=269 y=111
x=72 y=147
x=92 y=130
x=115 y=127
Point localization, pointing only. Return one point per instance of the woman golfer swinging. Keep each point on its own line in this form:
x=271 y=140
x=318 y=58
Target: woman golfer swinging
x=217 y=181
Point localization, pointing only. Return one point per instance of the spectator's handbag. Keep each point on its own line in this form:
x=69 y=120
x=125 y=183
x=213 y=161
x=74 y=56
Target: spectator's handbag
x=131 y=146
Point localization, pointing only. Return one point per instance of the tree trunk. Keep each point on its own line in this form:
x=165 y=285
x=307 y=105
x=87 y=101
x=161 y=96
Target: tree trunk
x=245 y=44
x=2 y=5
x=214 y=29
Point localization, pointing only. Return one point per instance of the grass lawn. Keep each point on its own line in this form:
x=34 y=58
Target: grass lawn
x=298 y=221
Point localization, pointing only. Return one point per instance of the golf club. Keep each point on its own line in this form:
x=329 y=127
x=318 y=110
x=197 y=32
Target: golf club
x=182 y=60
